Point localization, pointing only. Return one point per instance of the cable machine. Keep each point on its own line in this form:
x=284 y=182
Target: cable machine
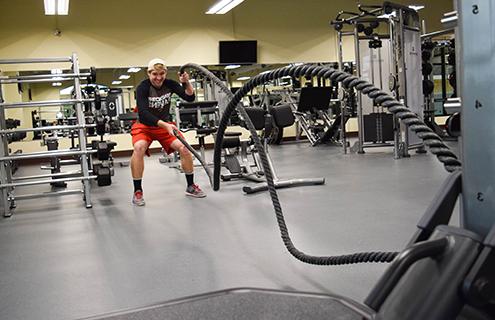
x=390 y=60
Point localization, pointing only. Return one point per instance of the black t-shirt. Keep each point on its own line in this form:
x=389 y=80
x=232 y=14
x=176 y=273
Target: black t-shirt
x=154 y=104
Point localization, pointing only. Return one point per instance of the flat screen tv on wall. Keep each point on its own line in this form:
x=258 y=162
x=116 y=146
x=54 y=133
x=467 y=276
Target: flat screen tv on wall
x=238 y=52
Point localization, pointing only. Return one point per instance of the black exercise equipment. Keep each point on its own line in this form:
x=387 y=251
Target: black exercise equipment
x=313 y=118
x=237 y=162
x=55 y=164
x=378 y=127
x=368 y=31
x=14 y=136
x=91 y=131
x=103 y=172
x=200 y=116
x=425 y=55
x=103 y=149
x=375 y=43
x=428 y=45
x=104 y=168
x=338 y=26
x=360 y=27
x=314 y=98
x=12 y=123
x=191 y=113
x=92 y=75
x=428 y=87
x=426 y=69
x=282 y=118
x=100 y=125
x=453 y=125
x=97 y=99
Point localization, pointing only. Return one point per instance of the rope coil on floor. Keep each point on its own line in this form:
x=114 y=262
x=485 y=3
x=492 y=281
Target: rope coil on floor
x=433 y=141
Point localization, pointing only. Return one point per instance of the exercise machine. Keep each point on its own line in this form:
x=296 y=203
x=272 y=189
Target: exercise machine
x=392 y=62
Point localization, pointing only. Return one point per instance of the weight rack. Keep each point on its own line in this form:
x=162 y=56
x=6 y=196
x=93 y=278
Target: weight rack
x=7 y=182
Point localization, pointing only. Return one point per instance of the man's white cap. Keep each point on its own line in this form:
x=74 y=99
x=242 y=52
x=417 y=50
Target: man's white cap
x=153 y=62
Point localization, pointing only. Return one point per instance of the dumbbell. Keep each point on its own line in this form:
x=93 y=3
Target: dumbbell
x=428 y=87
x=426 y=68
x=337 y=25
x=375 y=43
x=97 y=100
x=368 y=31
x=100 y=125
x=103 y=175
x=425 y=55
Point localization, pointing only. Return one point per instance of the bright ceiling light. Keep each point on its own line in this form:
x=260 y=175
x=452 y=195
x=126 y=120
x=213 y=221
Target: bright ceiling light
x=124 y=77
x=50 y=7
x=133 y=70
x=232 y=66
x=56 y=7
x=230 y=6
x=56 y=84
x=416 y=8
x=223 y=6
x=62 y=7
x=116 y=82
x=243 y=78
x=387 y=16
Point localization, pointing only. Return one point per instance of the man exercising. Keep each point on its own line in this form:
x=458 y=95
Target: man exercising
x=153 y=103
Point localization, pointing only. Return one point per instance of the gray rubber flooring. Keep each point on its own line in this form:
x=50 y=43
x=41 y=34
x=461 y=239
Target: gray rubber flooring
x=59 y=260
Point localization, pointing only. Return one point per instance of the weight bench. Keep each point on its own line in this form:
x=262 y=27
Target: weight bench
x=239 y=169
x=312 y=115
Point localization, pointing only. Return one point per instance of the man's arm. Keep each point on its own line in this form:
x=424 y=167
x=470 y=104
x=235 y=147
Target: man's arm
x=184 y=80
x=145 y=116
x=185 y=91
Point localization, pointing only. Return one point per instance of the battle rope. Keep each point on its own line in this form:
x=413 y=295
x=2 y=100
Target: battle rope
x=430 y=139
x=196 y=154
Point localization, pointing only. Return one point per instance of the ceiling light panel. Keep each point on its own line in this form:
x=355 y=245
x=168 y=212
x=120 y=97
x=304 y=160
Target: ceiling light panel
x=223 y=6
x=56 y=7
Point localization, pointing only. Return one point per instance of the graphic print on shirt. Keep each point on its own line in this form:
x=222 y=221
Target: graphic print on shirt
x=159 y=102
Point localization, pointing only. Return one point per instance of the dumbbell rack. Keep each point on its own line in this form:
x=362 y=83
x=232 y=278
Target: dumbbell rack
x=7 y=182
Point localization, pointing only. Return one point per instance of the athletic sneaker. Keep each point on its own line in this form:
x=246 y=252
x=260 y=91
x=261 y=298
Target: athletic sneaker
x=194 y=191
x=138 y=199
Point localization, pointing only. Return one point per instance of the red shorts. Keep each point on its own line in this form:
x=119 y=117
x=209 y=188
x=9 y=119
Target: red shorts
x=141 y=131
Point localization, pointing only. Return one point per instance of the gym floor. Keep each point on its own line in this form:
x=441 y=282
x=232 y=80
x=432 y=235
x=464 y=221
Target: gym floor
x=62 y=261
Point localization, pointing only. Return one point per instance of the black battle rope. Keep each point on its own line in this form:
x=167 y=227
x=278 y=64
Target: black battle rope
x=196 y=154
x=431 y=139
